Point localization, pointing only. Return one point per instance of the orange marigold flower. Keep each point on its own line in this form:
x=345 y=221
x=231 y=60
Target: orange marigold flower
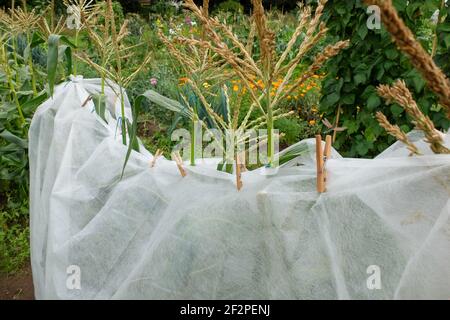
x=182 y=81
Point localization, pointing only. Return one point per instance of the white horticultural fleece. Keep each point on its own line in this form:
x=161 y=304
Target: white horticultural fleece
x=381 y=231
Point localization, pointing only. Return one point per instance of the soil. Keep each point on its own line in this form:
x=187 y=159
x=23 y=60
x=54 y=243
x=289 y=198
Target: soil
x=17 y=286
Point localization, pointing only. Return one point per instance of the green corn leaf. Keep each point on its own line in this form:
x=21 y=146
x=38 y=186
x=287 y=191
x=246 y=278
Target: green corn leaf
x=36 y=40
x=27 y=52
x=53 y=57
x=10 y=148
x=9 y=137
x=65 y=40
x=32 y=104
x=292 y=152
x=167 y=103
x=100 y=105
x=132 y=132
x=225 y=167
x=52 y=60
x=68 y=55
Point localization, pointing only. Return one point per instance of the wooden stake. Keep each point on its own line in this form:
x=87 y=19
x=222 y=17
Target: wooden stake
x=319 y=164
x=179 y=162
x=155 y=157
x=327 y=154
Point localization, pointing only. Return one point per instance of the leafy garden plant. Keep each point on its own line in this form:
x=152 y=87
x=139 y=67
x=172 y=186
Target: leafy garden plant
x=350 y=85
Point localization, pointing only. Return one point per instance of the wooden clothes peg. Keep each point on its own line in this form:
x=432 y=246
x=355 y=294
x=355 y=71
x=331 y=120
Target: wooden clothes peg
x=179 y=162
x=238 y=173
x=319 y=164
x=327 y=154
x=321 y=158
x=155 y=157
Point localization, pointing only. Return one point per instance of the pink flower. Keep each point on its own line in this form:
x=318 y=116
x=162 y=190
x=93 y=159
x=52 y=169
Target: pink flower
x=188 y=21
x=153 y=81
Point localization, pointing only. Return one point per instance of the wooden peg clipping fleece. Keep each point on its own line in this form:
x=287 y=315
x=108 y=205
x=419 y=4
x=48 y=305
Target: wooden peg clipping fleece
x=327 y=154
x=155 y=157
x=179 y=162
x=321 y=157
x=238 y=173
x=319 y=164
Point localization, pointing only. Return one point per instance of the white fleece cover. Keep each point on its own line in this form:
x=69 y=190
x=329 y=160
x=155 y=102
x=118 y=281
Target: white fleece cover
x=156 y=235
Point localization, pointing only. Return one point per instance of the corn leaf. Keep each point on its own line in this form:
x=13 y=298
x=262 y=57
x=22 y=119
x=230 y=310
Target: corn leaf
x=9 y=137
x=291 y=153
x=53 y=58
x=132 y=131
x=167 y=103
x=33 y=103
x=100 y=105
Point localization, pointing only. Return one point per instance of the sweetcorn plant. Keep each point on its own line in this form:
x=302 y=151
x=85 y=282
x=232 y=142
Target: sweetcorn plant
x=112 y=49
x=267 y=78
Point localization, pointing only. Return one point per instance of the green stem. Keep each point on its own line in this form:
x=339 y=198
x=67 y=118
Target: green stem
x=30 y=65
x=270 y=145
x=14 y=47
x=76 y=46
x=123 y=124
x=103 y=76
x=103 y=83
x=14 y=93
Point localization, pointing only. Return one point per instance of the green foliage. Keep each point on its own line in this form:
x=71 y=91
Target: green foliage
x=119 y=15
x=14 y=233
x=19 y=99
x=290 y=128
x=373 y=59
x=160 y=8
x=230 y=6
x=443 y=43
